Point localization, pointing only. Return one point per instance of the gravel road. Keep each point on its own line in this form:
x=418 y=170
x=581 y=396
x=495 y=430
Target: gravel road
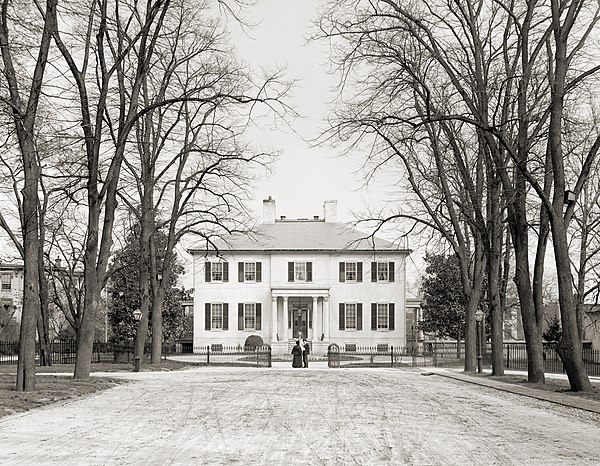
x=315 y=416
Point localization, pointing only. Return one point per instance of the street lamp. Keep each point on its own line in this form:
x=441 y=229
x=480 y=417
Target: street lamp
x=478 y=319
x=137 y=315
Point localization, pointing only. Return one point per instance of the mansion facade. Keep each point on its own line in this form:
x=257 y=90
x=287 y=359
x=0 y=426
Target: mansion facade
x=312 y=278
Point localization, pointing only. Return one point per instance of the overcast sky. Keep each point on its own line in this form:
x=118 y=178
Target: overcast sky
x=304 y=176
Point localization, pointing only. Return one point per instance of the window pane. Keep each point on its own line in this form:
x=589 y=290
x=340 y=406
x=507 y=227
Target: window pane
x=249 y=316
x=350 y=271
x=351 y=347
x=250 y=271
x=351 y=315
x=216 y=316
x=300 y=271
x=382 y=271
x=382 y=316
x=217 y=271
x=6 y=281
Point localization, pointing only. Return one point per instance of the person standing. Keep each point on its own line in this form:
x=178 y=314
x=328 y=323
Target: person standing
x=305 y=353
x=297 y=355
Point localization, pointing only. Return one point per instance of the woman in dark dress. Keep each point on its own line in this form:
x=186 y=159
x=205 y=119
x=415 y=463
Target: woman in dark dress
x=297 y=355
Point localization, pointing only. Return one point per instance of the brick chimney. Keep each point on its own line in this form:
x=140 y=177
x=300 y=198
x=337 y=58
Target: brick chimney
x=330 y=211
x=269 y=212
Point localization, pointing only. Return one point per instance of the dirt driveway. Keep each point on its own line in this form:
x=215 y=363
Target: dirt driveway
x=315 y=416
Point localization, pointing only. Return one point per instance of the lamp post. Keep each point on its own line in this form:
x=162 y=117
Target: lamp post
x=478 y=319
x=137 y=315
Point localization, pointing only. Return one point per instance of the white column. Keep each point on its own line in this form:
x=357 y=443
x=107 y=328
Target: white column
x=285 y=318
x=311 y=330
x=326 y=317
x=273 y=318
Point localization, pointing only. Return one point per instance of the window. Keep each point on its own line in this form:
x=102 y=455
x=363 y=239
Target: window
x=216 y=316
x=350 y=348
x=6 y=281
x=216 y=347
x=216 y=271
x=300 y=271
x=350 y=316
x=382 y=347
x=249 y=316
x=350 y=271
x=382 y=316
x=382 y=271
x=249 y=271
x=216 y=322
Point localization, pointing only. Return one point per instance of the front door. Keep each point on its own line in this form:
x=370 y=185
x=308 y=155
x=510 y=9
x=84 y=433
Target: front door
x=300 y=321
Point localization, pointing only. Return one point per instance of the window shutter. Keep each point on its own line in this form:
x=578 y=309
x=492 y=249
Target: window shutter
x=207 y=316
x=359 y=316
x=309 y=271
x=373 y=316
x=207 y=276
x=225 y=316
x=359 y=271
x=259 y=271
x=225 y=271
x=373 y=271
x=342 y=316
x=342 y=271
x=240 y=316
x=392 y=317
x=290 y=271
x=258 y=315
x=240 y=271
x=391 y=273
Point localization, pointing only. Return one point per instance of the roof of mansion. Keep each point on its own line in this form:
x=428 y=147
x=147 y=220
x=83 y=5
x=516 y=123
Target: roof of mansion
x=303 y=235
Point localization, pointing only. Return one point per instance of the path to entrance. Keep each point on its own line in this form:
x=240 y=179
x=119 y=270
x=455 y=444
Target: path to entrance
x=278 y=416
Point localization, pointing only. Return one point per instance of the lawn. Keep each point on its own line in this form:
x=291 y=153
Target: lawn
x=53 y=388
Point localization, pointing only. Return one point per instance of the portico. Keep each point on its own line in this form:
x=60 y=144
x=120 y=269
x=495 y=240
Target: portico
x=299 y=311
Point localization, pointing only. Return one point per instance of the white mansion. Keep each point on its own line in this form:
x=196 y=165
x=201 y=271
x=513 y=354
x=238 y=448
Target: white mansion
x=316 y=278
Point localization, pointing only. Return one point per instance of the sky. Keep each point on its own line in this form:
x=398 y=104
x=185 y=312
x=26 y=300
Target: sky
x=304 y=176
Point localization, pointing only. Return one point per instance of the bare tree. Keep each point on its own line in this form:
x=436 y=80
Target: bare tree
x=23 y=98
x=191 y=167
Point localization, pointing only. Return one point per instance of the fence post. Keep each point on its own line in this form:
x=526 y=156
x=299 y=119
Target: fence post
x=508 y=356
x=269 y=356
x=434 y=354
x=207 y=355
x=392 y=354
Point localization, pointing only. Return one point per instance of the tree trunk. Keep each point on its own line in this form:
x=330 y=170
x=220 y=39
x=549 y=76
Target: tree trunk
x=26 y=364
x=533 y=338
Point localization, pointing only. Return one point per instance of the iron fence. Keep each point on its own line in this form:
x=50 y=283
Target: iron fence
x=428 y=355
x=259 y=356
x=515 y=357
x=65 y=352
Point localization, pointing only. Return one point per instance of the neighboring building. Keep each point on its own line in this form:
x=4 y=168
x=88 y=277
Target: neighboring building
x=11 y=300
x=315 y=278
x=186 y=343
